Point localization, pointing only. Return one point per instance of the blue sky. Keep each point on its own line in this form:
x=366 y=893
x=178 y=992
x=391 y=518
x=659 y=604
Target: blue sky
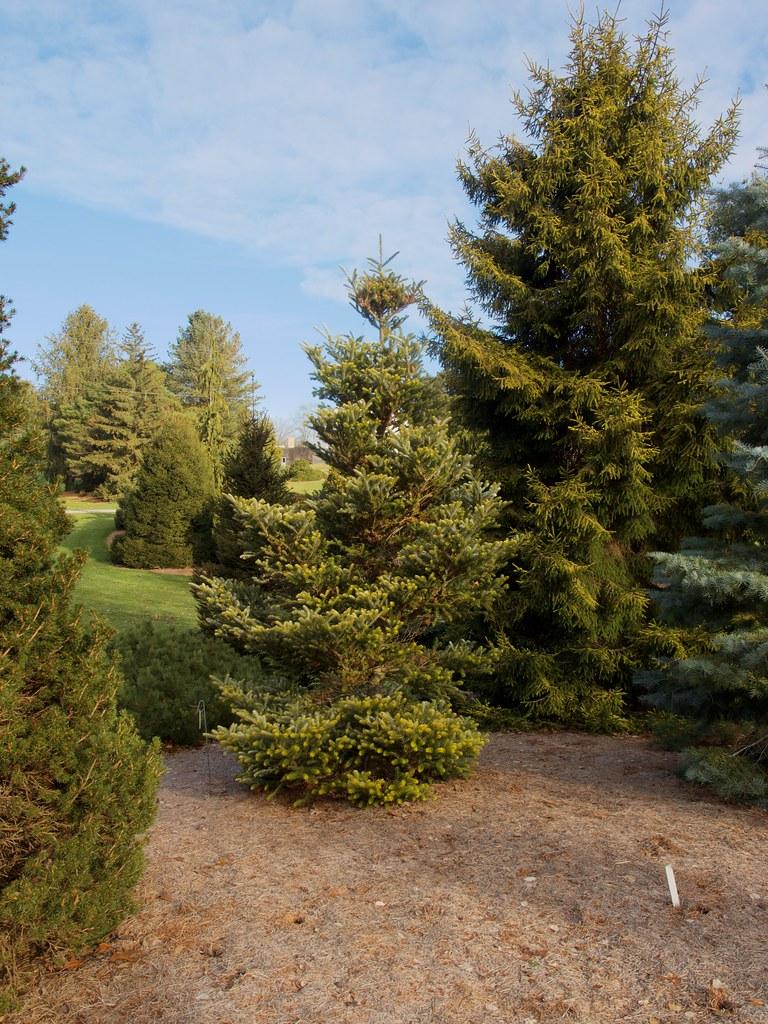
x=230 y=155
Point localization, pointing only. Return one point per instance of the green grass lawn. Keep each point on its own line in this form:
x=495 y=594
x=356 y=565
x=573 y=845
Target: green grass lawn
x=305 y=486
x=75 y=503
x=125 y=597
x=128 y=597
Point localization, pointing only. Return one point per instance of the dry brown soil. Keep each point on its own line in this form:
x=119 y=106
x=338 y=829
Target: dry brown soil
x=533 y=892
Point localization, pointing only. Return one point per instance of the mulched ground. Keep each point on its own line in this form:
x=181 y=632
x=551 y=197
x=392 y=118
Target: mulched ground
x=533 y=892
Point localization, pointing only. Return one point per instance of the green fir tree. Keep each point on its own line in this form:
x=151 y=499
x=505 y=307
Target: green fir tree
x=166 y=517
x=126 y=409
x=364 y=588
x=360 y=594
x=583 y=373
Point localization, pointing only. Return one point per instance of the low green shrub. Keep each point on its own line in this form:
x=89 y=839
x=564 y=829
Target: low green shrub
x=729 y=757
x=676 y=732
x=491 y=718
x=381 y=749
x=167 y=672
x=303 y=469
x=733 y=778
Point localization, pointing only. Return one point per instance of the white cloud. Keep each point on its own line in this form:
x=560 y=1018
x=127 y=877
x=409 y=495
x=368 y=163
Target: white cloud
x=302 y=129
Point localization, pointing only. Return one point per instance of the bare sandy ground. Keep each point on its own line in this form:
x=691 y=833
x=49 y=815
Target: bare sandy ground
x=533 y=892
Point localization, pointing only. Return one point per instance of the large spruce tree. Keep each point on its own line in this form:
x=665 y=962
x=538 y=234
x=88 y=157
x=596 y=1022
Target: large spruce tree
x=716 y=588
x=77 y=784
x=356 y=600
x=583 y=371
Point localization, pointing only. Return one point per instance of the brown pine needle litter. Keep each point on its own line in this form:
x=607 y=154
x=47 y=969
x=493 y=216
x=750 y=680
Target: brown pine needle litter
x=533 y=892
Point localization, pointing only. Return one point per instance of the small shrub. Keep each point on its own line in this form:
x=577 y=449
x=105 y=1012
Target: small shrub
x=491 y=718
x=381 y=749
x=167 y=672
x=675 y=732
x=732 y=778
x=303 y=469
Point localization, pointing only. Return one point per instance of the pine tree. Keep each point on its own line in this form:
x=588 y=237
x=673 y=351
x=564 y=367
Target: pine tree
x=126 y=409
x=167 y=515
x=207 y=372
x=77 y=785
x=8 y=179
x=584 y=377
x=134 y=347
x=251 y=470
x=716 y=588
x=364 y=588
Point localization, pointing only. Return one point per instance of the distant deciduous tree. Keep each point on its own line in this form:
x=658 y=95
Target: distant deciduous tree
x=74 y=358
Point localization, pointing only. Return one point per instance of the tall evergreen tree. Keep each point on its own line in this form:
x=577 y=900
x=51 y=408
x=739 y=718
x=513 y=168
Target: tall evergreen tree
x=364 y=589
x=73 y=363
x=207 y=371
x=124 y=411
x=716 y=588
x=167 y=515
x=585 y=376
x=76 y=783
x=75 y=357
x=251 y=470
x=133 y=347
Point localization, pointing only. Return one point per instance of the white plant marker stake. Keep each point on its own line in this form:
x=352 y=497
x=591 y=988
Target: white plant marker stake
x=672 y=886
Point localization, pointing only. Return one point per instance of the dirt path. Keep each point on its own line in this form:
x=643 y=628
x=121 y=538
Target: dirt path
x=533 y=892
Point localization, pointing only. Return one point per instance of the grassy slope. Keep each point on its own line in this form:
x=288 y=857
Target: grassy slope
x=77 y=504
x=125 y=597
x=305 y=486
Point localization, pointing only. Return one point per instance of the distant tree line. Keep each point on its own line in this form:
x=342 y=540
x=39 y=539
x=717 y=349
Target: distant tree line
x=105 y=398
